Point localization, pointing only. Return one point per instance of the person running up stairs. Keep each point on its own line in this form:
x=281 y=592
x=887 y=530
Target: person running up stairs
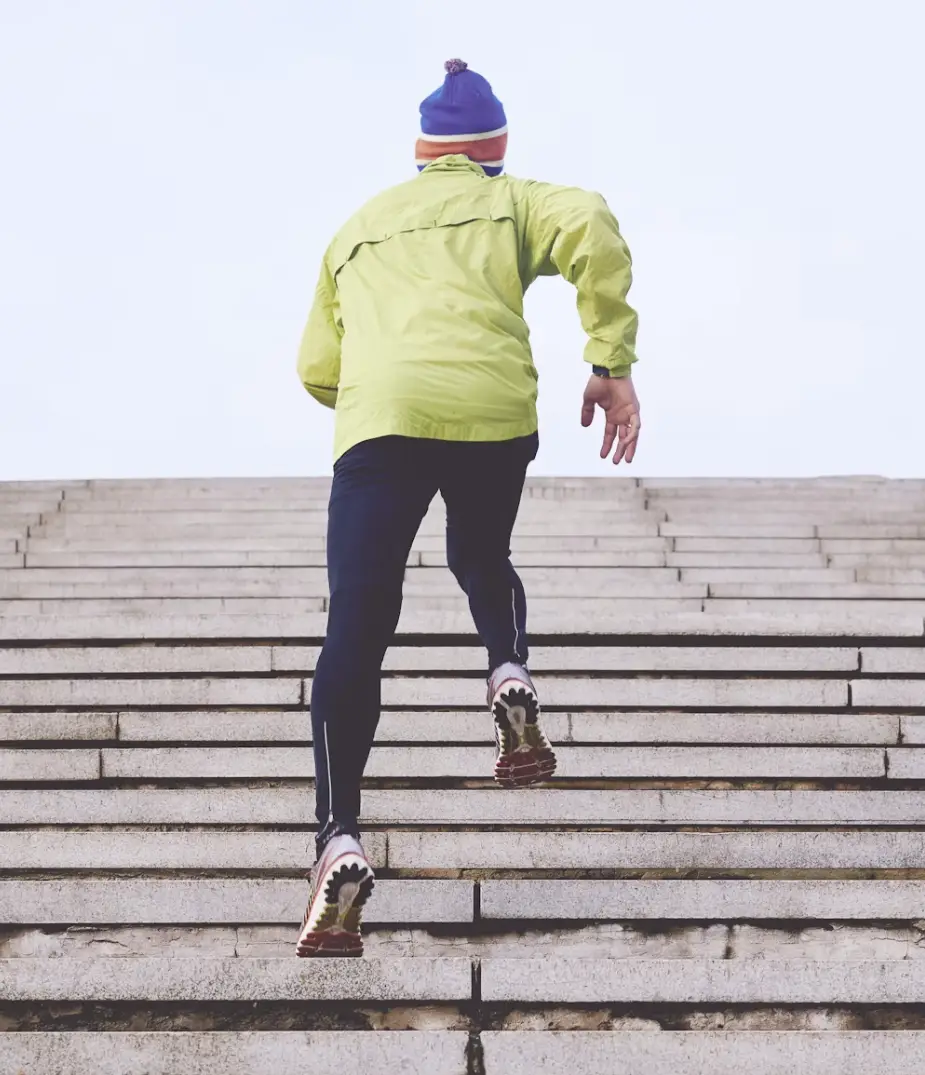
x=417 y=339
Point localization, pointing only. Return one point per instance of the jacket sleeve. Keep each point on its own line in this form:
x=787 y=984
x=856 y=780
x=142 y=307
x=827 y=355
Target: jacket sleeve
x=319 y=353
x=572 y=233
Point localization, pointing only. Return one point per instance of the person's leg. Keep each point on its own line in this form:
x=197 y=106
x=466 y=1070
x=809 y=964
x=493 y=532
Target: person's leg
x=482 y=484
x=380 y=493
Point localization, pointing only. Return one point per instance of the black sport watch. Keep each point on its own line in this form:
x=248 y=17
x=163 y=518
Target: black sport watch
x=600 y=371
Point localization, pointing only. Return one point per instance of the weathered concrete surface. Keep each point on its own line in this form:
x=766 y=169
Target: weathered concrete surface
x=660 y=692
x=748 y=726
x=890 y=659
x=146 y=660
x=913 y=729
x=659 y=850
x=133 y=660
x=31 y=764
x=812 y=620
x=224 y=725
x=150 y=692
x=246 y=762
x=705 y=900
x=694 y=981
x=534 y=806
x=56 y=726
x=693 y=1052
x=469 y=726
x=906 y=763
x=80 y=901
x=171 y=979
x=234 y=1053
x=888 y=692
x=587 y=940
x=49 y=849
x=473 y=726
x=639 y=806
x=591 y=940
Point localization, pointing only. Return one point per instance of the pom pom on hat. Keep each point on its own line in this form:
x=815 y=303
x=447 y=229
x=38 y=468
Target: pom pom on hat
x=453 y=67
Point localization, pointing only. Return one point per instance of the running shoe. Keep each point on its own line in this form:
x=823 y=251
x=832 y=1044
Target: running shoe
x=341 y=883
x=524 y=754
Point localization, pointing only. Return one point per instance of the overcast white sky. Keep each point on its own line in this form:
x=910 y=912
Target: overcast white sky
x=171 y=172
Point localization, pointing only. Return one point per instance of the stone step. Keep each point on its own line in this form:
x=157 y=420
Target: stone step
x=756 y=529
x=739 y=545
x=421 y=691
x=470 y=726
x=892 y=561
x=820 y=591
x=165 y=606
x=95 y=599
x=11 y=560
x=243 y=1052
x=779 y=561
x=568 y=691
x=171 y=979
x=430 y=851
x=790 y=511
x=576 y=900
x=121 y=660
x=623 y=522
x=152 y=557
x=559 y=980
x=47 y=765
x=779 y=580
x=892 y=575
x=62 y=849
x=220 y=901
x=891 y=530
x=310 y=558
x=117 y=692
x=276 y=503
x=559 y=524
x=692 y=1052
x=724 y=598
x=422 y=762
x=872 y=546
x=906 y=763
x=555 y=980
x=223 y=900
x=536 y=807
x=825 y=942
x=759 y=619
x=428 y=542
x=722 y=850
x=792 y=606
x=632 y=1052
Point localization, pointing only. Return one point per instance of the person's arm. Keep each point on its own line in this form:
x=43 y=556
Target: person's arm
x=572 y=233
x=319 y=353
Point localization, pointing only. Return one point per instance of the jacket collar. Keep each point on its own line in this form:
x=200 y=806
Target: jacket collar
x=453 y=162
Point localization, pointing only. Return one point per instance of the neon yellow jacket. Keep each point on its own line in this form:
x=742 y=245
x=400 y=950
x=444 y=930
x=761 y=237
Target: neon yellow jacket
x=417 y=326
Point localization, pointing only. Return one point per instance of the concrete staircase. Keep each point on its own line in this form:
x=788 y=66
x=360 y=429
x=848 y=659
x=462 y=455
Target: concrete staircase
x=727 y=872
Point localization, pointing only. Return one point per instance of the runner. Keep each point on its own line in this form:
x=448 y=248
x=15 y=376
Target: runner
x=417 y=339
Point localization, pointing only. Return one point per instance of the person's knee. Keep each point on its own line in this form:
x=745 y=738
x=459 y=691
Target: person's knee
x=363 y=612
x=481 y=565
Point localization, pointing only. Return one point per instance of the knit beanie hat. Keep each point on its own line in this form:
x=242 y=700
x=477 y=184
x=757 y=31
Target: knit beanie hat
x=463 y=116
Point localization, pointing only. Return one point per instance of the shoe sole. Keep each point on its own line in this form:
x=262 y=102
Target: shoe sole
x=345 y=890
x=526 y=762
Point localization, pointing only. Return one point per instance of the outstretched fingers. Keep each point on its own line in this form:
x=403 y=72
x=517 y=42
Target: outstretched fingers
x=629 y=438
x=610 y=435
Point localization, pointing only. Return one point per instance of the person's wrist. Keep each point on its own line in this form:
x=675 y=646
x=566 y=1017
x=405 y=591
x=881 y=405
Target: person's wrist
x=601 y=371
